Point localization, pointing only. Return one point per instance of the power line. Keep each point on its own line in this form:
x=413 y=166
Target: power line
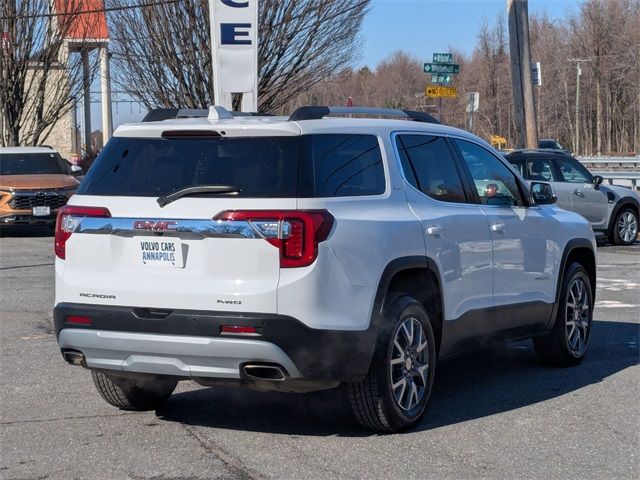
x=81 y=12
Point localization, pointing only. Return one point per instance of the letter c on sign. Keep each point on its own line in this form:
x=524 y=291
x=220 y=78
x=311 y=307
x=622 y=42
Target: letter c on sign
x=233 y=4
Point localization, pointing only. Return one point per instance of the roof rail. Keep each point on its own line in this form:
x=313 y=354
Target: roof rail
x=319 y=112
x=159 y=114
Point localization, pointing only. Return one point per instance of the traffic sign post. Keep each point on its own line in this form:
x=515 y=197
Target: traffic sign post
x=441 y=68
x=441 y=79
x=439 y=91
x=443 y=58
x=441 y=71
x=473 y=103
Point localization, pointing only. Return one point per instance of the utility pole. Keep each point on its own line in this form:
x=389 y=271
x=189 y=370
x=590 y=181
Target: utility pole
x=577 y=122
x=521 y=78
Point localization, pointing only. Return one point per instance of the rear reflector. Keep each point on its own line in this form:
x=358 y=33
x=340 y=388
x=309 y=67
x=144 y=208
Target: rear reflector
x=238 y=330
x=79 y=319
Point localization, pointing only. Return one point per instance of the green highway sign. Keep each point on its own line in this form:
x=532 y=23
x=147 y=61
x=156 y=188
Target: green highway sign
x=441 y=68
x=441 y=78
x=442 y=57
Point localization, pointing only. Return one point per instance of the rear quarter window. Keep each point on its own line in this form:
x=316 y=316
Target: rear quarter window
x=343 y=165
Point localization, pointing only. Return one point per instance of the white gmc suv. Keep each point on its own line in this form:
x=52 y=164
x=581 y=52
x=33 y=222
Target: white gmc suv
x=300 y=253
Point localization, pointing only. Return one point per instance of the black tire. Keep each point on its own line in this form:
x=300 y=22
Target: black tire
x=618 y=230
x=560 y=347
x=136 y=392
x=372 y=400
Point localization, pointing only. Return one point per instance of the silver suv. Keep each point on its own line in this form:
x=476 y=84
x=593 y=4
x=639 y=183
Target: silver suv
x=612 y=210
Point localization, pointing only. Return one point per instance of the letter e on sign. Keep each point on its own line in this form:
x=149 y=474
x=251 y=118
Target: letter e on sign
x=229 y=33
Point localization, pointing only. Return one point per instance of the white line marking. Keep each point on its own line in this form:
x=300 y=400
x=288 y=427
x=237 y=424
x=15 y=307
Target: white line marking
x=614 y=304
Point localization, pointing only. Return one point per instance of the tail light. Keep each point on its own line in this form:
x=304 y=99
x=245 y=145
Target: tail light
x=296 y=233
x=69 y=218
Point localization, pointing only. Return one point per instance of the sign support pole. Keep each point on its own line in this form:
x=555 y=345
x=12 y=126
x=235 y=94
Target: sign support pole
x=234 y=52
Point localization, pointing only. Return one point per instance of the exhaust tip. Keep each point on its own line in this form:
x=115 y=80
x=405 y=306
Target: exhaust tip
x=264 y=372
x=74 y=357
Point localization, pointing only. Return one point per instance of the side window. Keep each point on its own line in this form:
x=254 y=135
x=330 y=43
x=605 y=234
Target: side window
x=345 y=165
x=539 y=169
x=518 y=166
x=573 y=171
x=494 y=182
x=430 y=167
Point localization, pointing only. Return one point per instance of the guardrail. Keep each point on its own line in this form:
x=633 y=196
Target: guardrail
x=633 y=177
x=620 y=162
x=614 y=168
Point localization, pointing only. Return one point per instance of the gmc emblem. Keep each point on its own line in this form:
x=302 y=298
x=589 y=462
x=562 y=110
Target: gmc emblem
x=159 y=226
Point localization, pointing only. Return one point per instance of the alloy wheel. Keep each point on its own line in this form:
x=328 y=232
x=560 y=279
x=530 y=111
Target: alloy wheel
x=409 y=364
x=578 y=315
x=627 y=227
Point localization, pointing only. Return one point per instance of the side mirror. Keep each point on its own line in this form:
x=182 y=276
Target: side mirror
x=76 y=170
x=597 y=180
x=542 y=193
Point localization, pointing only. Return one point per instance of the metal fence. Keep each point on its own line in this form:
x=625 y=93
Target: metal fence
x=614 y=168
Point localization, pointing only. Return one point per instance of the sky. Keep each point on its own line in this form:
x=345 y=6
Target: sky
x=419 y=27
x=422 y=27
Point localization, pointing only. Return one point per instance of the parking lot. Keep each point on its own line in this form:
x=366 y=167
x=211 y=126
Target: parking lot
x=497 y=413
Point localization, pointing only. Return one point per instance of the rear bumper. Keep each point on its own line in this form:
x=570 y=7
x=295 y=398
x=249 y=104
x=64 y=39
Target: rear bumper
x=176 y=355
x=188 y=343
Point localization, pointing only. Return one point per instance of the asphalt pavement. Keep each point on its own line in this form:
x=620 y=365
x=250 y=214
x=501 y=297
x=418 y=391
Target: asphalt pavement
x=494 y=414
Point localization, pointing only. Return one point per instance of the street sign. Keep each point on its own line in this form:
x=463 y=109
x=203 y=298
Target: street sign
x=438 y=91
x=536 y=73
x=441 y=68
x=473 y=102
x=442 y=57
x=440 y=78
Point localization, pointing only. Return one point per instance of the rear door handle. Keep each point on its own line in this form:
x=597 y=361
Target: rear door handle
x=497 y=227
x=434 y=231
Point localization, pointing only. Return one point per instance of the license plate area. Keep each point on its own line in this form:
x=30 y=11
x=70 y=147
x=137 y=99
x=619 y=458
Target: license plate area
x=41 y=211
x=158 y=252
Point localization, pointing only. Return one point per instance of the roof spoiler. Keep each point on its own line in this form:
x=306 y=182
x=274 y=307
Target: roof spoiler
x=319 y=112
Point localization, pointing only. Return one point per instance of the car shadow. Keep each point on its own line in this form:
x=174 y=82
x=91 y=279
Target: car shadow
x=608 y=246
x=26 y=231
x=495 y=380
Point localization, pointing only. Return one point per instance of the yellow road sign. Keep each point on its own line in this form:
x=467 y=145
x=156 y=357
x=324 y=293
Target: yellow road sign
x=436 y=91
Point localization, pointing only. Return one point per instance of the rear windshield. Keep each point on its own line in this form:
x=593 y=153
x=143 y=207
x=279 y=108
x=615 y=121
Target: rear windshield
x=260 y=167
x=31 y=163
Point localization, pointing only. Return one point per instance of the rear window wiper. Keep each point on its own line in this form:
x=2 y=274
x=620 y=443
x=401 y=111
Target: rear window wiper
x=167 y=199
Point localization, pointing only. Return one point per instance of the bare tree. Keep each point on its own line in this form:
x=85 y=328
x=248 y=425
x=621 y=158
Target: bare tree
x=604 y=31
x=162 y=52
x=39 y=75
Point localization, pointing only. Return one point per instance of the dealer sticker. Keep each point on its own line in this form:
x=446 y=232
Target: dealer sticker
x=159 y=252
